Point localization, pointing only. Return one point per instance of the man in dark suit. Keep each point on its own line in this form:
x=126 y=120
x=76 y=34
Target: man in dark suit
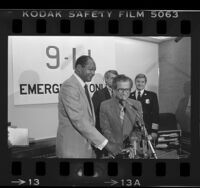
x=76 y=131
x=101 y=95
x=150 y=105
x=121 y=116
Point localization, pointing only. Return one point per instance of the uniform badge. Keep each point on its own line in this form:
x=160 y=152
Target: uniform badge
x=147 y=101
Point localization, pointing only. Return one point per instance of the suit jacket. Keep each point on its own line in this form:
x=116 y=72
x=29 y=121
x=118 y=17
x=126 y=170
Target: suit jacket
x=110 y=122
x=76 y=130
x=150 y=108
x=97 y=98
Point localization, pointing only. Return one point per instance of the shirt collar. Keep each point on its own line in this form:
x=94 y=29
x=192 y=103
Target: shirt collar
x=141 y=92
x=80 y=80
x=109 y=89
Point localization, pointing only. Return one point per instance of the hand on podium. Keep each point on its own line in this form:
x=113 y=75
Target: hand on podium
x=113 y=148
x=130 y=151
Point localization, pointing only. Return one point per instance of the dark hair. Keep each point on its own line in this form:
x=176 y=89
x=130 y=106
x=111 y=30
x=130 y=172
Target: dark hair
x=110 y=71
x=121 y=78
x=82 y=60
x=141 y=76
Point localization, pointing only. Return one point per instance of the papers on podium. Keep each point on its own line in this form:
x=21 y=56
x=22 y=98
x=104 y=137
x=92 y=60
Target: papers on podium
x=18 y=136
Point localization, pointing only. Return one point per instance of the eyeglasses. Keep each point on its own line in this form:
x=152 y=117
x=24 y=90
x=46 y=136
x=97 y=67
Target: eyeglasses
x=121 y=90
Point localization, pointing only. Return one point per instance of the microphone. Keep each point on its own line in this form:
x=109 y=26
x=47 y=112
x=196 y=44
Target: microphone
x=133 y=141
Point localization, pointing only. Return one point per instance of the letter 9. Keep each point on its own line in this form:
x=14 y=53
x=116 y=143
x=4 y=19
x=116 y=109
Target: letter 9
x=56 y=56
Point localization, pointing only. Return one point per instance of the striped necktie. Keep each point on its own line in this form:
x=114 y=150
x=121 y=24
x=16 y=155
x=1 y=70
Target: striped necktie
x=88 y=96
x=121 y=115
x=139 y=96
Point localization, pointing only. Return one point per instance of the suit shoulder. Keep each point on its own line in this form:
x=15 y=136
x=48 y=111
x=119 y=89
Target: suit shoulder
x=66 y=82
x=133 y=101
x=69 y=86
x=98 y=92
x=151 y=93
x=71 y=81
x=132 y=93
x=106 y=102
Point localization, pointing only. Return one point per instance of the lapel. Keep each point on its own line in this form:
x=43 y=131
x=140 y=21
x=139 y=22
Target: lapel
x=116 y=112
x=127 y=125
x=131 y=113
x=144 y=95
x=133 y=95
x=135 y=112
x=82 y=92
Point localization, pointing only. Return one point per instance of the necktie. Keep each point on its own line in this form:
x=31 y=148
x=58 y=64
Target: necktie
x=121 y=115
x=139 y=96
x=111 y=93
x=88 y=95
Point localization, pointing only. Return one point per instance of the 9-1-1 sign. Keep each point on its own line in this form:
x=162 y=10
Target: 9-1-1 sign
x=42 y=63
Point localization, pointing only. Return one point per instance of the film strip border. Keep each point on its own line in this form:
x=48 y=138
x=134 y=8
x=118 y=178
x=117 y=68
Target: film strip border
x=143 y=23
x=151 y=172
x=89 y=27
x=101 y=172
x=89 y=169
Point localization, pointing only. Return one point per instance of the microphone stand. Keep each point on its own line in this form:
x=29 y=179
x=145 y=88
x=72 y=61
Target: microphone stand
x=145 y=133
x=141 y=124
x=148 y=140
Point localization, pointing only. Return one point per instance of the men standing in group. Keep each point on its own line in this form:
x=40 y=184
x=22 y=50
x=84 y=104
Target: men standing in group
x=121 y=116
x=101 y=95
x=150 y=105
x=76 y=131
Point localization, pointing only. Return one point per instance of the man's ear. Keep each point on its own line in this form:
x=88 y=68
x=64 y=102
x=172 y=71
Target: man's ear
x=78 y=68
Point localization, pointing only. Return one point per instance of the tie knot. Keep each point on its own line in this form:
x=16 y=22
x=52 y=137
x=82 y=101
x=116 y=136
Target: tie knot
x=139 y=92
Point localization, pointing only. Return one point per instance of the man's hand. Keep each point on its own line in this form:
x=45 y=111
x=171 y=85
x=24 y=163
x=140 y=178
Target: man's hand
x=130 y=151
x=113 y=148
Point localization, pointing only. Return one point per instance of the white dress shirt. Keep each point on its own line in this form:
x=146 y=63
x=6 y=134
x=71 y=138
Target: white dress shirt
x=141 y=93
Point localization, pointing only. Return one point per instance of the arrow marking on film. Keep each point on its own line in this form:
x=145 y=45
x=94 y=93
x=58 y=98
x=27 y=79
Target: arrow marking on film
x=19 y=182
x=112 y=182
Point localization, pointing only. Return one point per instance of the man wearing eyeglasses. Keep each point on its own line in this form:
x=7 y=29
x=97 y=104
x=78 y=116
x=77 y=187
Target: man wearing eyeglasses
x=119 y=115
x=98 y=97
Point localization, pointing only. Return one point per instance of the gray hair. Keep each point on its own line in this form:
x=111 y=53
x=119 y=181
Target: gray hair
x=121 y=78
x=141 y=76
x=110 y=71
